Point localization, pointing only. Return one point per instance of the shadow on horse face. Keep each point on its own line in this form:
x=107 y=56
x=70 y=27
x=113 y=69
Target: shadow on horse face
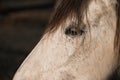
x=82 y=42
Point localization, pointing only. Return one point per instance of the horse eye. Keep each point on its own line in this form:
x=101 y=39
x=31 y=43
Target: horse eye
x=71 y=31
x=74 y=31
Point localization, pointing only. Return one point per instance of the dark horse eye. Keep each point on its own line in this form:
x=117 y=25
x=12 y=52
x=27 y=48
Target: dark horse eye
x=71 y=31
x=74 y=31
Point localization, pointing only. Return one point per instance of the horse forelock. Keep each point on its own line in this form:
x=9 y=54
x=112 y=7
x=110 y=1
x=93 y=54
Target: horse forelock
x=67 y=8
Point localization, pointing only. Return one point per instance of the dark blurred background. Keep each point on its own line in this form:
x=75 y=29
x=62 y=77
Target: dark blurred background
x=22 y=23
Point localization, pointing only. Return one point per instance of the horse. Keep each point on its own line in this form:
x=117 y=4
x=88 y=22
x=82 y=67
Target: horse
x=81 y=42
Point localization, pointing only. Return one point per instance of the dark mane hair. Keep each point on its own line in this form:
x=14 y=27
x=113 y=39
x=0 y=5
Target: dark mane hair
x=64 y=9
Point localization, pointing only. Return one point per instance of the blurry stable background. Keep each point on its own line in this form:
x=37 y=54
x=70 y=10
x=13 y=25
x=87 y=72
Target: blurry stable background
x=22 y=23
